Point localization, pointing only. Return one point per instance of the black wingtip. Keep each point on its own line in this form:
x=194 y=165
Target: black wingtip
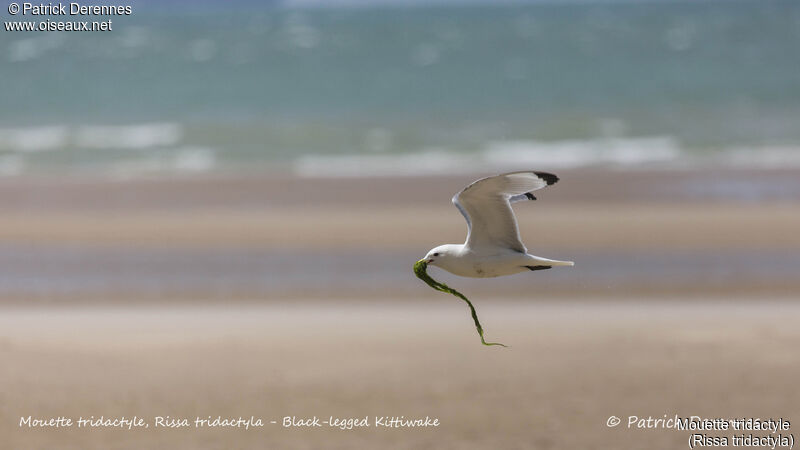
x=548 y=178
x=539 y=267
x=530 y=196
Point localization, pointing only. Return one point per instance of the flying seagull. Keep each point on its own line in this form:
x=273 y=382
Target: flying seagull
x=493 y=247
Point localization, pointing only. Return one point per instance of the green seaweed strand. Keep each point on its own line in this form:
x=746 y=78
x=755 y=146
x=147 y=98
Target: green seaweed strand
x=421 y=271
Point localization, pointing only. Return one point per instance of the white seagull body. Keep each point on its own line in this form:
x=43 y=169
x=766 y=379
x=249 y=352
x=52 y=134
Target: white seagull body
x=493 y=247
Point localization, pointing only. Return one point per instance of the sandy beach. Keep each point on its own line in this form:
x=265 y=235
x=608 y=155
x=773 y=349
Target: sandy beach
x=255 y=238
x=272 y=297
x=571 y=366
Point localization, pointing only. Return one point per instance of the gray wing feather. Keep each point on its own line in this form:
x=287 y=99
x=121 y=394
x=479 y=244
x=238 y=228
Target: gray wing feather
x=485 y=204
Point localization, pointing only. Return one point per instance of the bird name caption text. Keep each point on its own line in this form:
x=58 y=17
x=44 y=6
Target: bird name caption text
x=752 y=432
x=236 y=422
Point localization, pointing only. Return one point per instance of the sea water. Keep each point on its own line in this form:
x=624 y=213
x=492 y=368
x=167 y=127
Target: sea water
x=405 y=88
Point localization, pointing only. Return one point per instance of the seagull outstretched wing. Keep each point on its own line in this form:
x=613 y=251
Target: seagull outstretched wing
x=486 y=204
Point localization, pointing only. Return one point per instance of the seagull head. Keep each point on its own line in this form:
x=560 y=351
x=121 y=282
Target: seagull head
x=441 y=253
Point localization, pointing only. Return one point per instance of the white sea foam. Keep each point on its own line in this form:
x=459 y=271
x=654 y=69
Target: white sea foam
x=134 y=36
x=194 y=159
x=130 y=137
x=764 y=157
x=202 y=50
x=299 y=31
x=33 y=139
x=581 y=153
x=57 y=137
x=426 y=162
x=498 y=156
x=31 y=48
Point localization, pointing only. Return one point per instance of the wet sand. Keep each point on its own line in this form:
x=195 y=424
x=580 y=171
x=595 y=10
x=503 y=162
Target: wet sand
x=259 y=191
x=595 y=209
x=257 y=238
x=638 y=226
x=571 y=365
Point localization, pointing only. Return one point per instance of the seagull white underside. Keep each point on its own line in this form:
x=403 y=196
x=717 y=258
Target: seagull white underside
x=494 y=247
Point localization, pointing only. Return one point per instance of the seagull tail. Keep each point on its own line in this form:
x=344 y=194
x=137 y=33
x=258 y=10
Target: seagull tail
x=553 y=262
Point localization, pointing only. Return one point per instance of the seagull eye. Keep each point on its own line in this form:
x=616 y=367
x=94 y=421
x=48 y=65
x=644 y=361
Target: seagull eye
x=435 y=254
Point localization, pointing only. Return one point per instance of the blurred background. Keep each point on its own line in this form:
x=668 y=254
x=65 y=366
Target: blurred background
x=251 y=109
x=283 y=164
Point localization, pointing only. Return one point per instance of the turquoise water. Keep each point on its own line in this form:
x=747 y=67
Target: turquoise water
x=406 y=89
